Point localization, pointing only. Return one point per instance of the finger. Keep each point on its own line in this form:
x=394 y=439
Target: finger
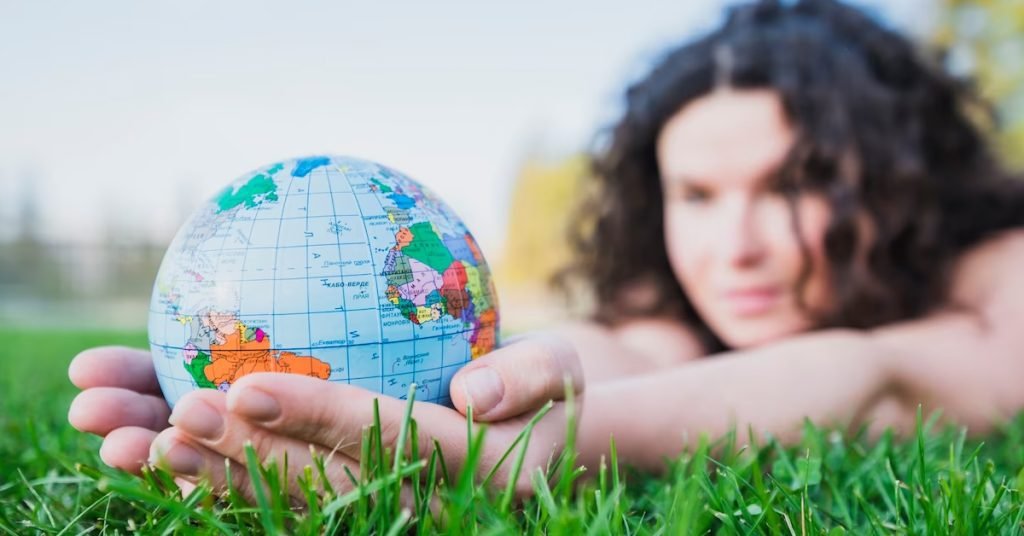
x=127 y=448
x=174 y=451
x=204 y=418
x=517 y=378
x=335 y=414
x=177 y=452
x=115 y=366
x=100 y=410
x=185 y=485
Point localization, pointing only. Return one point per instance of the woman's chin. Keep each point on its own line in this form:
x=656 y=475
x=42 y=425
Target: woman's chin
x=740 y=334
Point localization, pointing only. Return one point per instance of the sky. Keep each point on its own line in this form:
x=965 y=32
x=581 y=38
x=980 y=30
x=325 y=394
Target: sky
x=126 y=114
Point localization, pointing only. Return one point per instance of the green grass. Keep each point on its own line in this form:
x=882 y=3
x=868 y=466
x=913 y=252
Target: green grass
x=52 y=482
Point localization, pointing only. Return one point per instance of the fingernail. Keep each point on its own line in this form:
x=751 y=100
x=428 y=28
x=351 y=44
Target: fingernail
x=176 y=457
x=255 y=404
x=484 y=388
x=199 y=419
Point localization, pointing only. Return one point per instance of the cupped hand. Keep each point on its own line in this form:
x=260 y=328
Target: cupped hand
x=287 y=417
x=120 y=401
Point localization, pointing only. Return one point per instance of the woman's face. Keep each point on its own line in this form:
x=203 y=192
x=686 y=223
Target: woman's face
x=729 y=234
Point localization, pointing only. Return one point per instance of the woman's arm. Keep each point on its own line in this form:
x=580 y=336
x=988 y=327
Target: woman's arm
x=968 y=363
x=635 y=347
x=529 y=370
x=832 y=377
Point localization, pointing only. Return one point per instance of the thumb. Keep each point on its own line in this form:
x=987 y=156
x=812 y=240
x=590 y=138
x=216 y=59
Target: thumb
x=517 y=378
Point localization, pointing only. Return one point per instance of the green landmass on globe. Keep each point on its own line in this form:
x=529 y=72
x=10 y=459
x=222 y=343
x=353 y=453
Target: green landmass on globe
x=326 y=266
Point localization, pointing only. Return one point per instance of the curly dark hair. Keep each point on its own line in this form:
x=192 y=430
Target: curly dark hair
x=883 y=133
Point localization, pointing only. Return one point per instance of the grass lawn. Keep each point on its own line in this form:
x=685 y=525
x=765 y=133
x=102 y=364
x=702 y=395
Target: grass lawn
x=51 y=481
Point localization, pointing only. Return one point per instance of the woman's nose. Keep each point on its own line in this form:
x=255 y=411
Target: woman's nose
x=741 y=243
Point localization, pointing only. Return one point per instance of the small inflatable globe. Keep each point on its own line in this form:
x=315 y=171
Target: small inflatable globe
x=331 y=267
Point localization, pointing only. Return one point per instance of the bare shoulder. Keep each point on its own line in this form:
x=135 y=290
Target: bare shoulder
x=989 y=273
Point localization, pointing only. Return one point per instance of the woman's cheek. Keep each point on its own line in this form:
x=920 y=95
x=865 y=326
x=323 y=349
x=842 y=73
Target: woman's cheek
x=684 y=236
x=673 y=235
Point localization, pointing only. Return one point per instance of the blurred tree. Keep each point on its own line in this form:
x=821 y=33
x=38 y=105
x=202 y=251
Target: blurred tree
x=545 y=192
x=26 y=265
x=985 y=39
x=29 y=219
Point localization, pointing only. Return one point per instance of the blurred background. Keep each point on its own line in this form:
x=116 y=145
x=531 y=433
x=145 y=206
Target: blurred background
x=118 y=118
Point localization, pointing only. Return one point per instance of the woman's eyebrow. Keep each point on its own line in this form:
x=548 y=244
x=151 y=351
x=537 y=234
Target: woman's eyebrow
x=767 y=178
x=685 y=179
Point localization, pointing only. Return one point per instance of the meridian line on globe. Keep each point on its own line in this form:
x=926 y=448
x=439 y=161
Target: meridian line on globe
x=341 y=275
x=310 y=165
x=418 y=298
x=217 y=224
x=376 y=284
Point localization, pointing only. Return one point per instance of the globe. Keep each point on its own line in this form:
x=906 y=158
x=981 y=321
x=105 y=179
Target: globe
x=327 y=266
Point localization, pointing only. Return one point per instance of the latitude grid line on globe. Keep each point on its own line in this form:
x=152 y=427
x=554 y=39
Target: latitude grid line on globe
x=333 y=311
x=318 y=347
x=258 y=248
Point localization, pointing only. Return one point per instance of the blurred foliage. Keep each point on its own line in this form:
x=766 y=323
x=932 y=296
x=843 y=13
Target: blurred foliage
x=985 y=39
x=545 y=192
x=69 y=271
x=26 y=267
x=119 y=263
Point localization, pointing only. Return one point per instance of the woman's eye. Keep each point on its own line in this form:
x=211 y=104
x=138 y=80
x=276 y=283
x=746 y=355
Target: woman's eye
x=693 y=195
x=687 y=192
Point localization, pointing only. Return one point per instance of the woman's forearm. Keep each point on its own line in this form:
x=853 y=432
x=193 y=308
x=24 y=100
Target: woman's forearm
x=638 y=347
x=835 y=377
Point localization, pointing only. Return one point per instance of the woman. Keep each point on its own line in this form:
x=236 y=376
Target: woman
x=794 y=218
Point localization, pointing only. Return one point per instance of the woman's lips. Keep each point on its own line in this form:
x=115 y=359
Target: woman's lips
x=751 y=301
